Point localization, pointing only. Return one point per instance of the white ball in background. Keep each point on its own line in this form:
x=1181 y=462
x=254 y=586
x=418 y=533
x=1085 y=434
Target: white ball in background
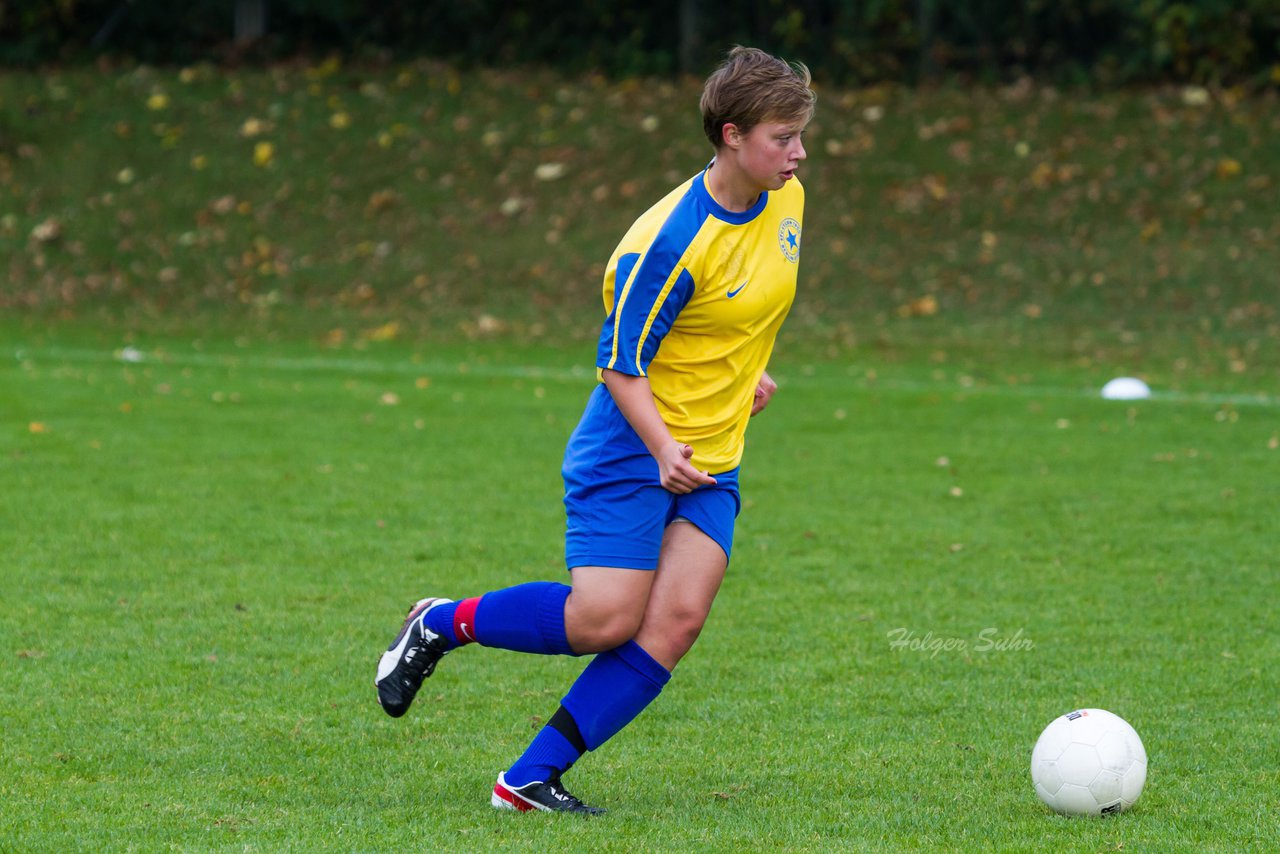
x=1126 y=388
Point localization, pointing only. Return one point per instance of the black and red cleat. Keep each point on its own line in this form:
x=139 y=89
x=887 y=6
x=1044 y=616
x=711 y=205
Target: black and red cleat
x=548 y=797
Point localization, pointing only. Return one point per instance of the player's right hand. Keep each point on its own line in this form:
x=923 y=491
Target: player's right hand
x=677 y=473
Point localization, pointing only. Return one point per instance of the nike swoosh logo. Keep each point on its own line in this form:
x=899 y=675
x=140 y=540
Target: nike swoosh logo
x=391 y=657
x=733 y=293
x=466 y=632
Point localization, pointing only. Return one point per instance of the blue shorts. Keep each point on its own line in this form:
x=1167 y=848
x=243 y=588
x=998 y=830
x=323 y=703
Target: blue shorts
x=617 y=508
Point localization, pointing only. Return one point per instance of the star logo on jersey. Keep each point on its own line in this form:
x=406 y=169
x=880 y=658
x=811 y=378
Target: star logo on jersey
x=789 y=239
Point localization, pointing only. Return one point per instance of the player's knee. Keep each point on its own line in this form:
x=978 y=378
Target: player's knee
x=605 y=629
x=684 y=632
x=674 y=635
x=618 y=628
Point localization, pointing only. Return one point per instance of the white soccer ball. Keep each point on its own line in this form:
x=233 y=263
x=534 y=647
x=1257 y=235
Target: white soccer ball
x=1089 y=762
x=1126 y=388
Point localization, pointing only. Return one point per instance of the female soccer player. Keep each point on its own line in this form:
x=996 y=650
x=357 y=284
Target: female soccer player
x=694 y=296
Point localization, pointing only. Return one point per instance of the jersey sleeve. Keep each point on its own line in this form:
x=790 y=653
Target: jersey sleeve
x=650 y=290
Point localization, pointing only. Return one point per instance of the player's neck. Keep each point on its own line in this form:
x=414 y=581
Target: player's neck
x=729 y=187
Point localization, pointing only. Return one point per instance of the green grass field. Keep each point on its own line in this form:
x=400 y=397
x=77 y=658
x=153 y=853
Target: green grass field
x=238 y=438
x=208 y=548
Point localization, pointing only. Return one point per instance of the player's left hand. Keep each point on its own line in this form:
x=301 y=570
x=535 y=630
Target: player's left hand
x=764 y=393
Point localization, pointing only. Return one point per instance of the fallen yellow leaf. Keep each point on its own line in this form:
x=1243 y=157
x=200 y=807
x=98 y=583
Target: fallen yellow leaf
x=1228 y=168
x=1042 y=176
x=936 y=185
x=925 y=306
x=252 y=127
x=386 y=332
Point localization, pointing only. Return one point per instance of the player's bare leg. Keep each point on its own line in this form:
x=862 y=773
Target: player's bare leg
x=690 y=570
x=606 y=606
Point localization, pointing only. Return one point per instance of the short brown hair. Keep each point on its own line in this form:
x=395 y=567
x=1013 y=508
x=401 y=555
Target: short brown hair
x=751 y=87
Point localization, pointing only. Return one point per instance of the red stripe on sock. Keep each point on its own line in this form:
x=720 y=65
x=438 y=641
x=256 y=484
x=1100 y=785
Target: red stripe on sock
x=464 y=620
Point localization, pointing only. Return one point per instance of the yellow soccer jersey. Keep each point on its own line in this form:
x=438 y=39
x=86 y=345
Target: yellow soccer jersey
x=695 y=295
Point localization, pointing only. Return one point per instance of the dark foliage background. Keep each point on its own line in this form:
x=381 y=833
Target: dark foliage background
x=844 y=41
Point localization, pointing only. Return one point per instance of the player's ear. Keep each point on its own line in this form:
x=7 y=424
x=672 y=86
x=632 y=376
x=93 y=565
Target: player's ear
x=730 y=135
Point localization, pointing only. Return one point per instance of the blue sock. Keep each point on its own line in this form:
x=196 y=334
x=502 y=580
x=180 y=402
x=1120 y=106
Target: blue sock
x=613 y=689
x=440 y=620
x=525 y=618
x=551 y=753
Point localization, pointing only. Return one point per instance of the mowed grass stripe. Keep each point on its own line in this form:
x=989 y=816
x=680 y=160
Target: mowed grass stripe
x=800 y=375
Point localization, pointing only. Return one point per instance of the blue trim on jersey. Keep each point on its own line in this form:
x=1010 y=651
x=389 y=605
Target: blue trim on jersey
x=604 y=350
x=699 y=189
x=637 y=293
x=675 y=302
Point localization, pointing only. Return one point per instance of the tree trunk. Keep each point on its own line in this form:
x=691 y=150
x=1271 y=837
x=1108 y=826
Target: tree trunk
x=251 y=21
x=926 y=19
x=689 y=41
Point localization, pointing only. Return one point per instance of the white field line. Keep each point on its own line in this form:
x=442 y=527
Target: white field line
x=286 y=364
x=583 y=374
